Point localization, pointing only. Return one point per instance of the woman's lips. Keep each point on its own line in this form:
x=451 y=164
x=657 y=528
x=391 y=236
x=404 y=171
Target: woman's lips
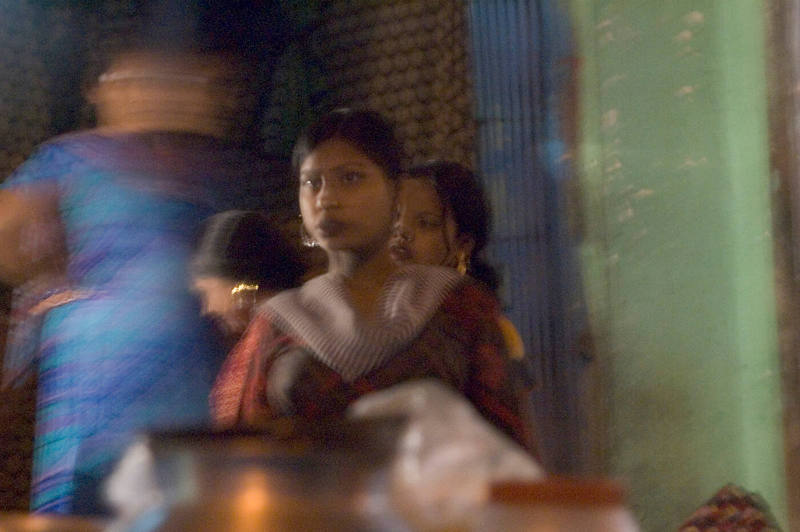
x=330 y=228
x=400 y=252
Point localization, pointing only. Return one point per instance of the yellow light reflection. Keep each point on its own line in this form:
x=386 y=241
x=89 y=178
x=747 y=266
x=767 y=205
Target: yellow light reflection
x=252 y=502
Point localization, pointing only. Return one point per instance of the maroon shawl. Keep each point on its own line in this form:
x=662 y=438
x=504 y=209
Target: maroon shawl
x=450 y=334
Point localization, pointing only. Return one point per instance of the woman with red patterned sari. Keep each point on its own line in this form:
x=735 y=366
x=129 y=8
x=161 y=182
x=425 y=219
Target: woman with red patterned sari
x=368 y=323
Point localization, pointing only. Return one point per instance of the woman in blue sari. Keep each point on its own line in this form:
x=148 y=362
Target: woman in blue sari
x=109 y=216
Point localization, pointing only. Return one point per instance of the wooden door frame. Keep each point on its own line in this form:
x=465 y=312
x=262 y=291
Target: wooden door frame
x=783 y=76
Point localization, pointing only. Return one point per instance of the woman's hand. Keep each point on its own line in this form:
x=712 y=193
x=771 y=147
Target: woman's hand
x=298 y=384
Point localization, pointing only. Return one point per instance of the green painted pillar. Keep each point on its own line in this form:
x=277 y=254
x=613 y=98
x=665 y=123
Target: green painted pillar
x=677 y=252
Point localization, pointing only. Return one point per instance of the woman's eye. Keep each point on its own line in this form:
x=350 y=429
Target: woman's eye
x=430 y=223
x=311 y=182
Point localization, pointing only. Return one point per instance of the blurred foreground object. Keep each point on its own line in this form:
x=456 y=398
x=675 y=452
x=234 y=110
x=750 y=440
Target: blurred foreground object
x=557 y=505
x=40 y=523
x=416 y=457
x=290 y=476
x=448 y=454
x=732 y=509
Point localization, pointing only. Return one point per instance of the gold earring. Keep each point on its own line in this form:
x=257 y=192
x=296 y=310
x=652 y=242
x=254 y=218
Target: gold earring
x=463 y=263
x=244 y=295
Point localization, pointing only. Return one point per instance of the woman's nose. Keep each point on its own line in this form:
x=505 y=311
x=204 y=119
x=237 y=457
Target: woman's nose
x=328 y=197
x=403 y=232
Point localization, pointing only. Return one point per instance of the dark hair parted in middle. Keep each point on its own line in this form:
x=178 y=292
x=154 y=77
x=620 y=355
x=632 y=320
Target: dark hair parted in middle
x=367 y=131
x=244 y=246
x=463 y=198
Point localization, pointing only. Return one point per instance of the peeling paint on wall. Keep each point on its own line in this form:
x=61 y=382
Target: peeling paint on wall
x=672 y=253
x=610 y=118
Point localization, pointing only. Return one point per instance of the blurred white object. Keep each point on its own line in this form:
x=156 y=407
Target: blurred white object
x=132 y=489
x=448 y=455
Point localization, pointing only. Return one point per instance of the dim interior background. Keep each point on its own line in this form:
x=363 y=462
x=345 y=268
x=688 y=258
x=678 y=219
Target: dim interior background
x=408 y=59
x=640 y=166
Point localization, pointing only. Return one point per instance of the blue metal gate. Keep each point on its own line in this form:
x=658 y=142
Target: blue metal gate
x=522 y=64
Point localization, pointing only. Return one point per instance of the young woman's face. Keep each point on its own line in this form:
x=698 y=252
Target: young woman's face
x=423 y=232
x=346 y=200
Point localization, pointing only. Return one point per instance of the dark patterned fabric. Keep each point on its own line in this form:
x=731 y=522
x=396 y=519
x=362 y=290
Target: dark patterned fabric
x=461 y=345
x=731 y=509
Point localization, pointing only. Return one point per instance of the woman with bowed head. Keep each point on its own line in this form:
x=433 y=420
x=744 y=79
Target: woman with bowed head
x=367 y=323
x=241 y=261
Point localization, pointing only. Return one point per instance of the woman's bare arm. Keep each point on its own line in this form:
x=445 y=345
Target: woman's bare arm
x=31 y=238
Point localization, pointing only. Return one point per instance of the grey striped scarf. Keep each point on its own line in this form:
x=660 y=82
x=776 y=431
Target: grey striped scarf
x=320 y=315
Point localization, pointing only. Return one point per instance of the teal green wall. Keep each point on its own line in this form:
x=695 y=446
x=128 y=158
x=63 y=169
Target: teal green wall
x=677 y=251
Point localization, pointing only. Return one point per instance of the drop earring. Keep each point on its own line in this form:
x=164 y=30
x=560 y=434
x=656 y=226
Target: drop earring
x=463 y=263
x=305 y=238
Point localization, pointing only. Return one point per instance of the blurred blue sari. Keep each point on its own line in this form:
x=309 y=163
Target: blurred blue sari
x=123 y=349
